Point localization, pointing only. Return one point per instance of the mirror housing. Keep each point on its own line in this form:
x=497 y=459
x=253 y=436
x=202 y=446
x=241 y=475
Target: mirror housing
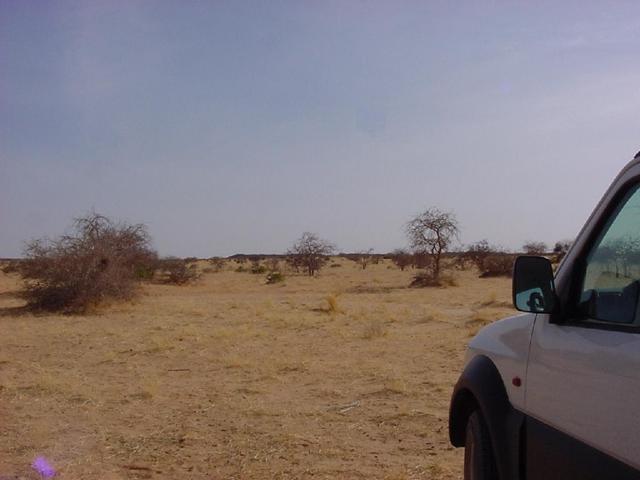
x=534 y=288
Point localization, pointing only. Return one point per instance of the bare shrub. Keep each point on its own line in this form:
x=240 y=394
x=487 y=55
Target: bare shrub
x=448 y=280
x=309 y=252
x=257 y=268
x=363 y=258
x=426 y=279
x=401 y=258
x=497 y=265
x=535 y=248
x=217 y=264
x=422 y=260
x=11 y=266
x=561 y=248
x=273 y=264
x=100 y=260
x=177 y=271
x=275 y=277
x=475 y=254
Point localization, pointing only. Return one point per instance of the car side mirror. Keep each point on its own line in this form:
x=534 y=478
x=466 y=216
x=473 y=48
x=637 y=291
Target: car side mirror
x=534 y=289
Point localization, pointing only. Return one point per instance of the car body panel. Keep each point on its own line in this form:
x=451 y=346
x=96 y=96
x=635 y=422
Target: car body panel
x=506 y=343
x=585 y=382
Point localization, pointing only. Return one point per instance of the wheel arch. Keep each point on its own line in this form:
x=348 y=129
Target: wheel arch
x=481 y=387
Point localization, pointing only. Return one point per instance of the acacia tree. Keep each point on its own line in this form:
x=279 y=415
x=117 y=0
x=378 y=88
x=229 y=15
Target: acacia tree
x=432 y=232
x=310 y=252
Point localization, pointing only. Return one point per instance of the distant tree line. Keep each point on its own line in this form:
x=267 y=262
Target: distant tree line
x=101 y=259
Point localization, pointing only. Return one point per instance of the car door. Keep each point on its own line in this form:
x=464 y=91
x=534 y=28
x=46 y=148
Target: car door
x=583 y=379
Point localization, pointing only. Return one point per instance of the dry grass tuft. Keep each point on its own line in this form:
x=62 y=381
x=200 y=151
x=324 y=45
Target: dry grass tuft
x=396 y=385
x=374 y=329
x=493 y=301
x=482 y=317
x=448 y=280
x=432 y=315
x=332 y=303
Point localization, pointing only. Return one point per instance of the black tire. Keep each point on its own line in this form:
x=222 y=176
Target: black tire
x=479 y=462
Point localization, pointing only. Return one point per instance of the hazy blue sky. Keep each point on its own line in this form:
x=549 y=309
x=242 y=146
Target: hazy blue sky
x=235 y=126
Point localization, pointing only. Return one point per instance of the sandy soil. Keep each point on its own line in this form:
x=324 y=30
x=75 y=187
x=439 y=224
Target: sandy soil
x=235 y=379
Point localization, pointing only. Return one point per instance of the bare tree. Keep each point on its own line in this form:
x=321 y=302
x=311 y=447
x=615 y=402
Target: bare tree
x=310 y=252
x=535 y=248
x=432 y=232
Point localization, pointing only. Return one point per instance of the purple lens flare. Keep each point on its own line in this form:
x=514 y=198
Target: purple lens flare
x=43 y=467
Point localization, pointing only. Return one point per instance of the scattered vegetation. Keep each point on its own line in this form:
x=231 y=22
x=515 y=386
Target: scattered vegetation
x=257 y=268
x=491 y=261
x=499 y=264
x=426 y=279
x=364 y=258
x=475 y=254
x=273 y=264
x=217 y=264
x=177 y=271
x=535 y=248
x=402 y=258
x=11 y=266
x=561 y=248
x=275 y=277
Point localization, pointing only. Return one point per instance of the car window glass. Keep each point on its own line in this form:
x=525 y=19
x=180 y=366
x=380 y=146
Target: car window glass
x=611 y=286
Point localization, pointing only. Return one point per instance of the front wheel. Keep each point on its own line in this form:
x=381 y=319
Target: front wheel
x=479 y=462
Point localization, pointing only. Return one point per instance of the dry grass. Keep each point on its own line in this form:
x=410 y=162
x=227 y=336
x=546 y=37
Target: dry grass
x=374 y=329
x=332 y=303
x=231 y=378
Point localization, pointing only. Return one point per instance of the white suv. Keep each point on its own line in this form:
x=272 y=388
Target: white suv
x=552 y=394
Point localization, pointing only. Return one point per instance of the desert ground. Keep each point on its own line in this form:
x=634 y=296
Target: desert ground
x=347 y=376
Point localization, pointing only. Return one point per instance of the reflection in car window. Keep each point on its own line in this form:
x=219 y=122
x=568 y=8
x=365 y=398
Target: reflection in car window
x=611 y=283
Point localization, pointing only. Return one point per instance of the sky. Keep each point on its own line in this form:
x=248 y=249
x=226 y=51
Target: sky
x=236 y=126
